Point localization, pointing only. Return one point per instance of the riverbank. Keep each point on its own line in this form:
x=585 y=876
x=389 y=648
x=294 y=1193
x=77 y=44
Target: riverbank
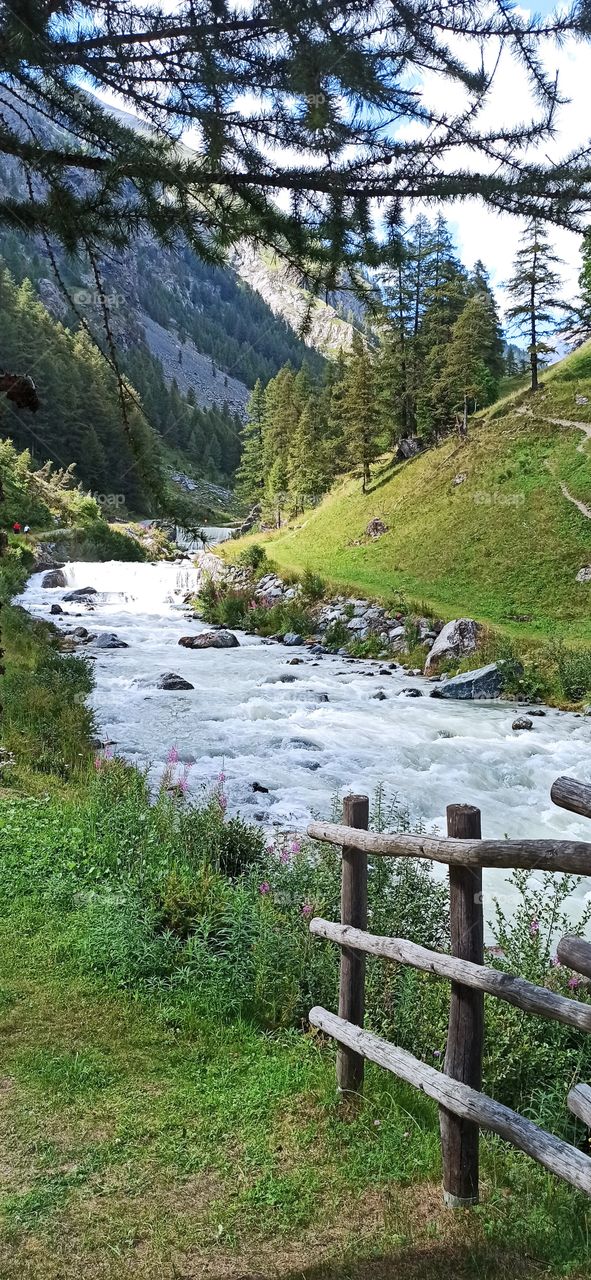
x=463 y=658
x=165 y=1108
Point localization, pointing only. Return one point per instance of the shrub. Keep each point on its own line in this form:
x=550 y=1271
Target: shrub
x=254 y=557
x=313 y=587
x=412 y=633
x=574 y=672
x=337 y=635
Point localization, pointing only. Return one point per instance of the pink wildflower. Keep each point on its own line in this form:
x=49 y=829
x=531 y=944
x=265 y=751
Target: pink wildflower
x=307 y=909
x=534 y=928
x=556 y=962
x=285 y=856
x=173 y=756
x=98 y=763
x=295 y=846
x=574 y=983
x=265 y=887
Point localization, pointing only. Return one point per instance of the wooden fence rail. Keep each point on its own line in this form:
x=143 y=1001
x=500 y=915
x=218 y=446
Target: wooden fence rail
x=463 y=1108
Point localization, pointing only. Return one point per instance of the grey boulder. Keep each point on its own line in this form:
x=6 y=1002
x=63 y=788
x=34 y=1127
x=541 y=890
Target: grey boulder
x=210 y=640
x=522 y=722
x=56 y=608
x=55 y=578
x=292 y=638
x=170 y=680
x=484 y=682
x=454 y=640
x=108 y=640
x=81 y=593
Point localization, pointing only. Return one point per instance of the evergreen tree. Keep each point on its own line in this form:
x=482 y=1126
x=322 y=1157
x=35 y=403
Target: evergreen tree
x=535 y=292
x=281 y=421
x=360 y=411
x=467 y=381
x=250 y=480
x=578 y=326
x=307 y=477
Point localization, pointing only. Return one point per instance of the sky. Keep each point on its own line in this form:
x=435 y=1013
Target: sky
x=480 y=232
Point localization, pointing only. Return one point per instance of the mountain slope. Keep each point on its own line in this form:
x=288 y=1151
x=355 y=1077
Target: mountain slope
x=493 y=527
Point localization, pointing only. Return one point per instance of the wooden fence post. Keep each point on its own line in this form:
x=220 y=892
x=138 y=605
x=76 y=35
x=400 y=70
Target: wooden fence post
x=463 y=1058
x=350 y=1065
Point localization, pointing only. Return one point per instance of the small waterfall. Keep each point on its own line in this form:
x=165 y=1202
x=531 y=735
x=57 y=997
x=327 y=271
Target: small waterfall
x=145 y=588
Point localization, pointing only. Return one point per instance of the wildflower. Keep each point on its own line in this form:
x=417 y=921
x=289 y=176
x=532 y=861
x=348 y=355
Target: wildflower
x=307 y=909
x=270 y=848
x=222 y=801
x=98 y=763
x=295 y=846
x=265 y=887
x=173 y=756
x=534 y=928
x=556 y=962
x=574 y=983
x=437 y=1053
x=285 y=856
x=221 y=778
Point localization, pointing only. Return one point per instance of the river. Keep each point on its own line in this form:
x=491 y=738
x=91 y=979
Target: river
x=259 y=720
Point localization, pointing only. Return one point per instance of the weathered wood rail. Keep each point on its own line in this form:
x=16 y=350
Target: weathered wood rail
x=463 y=1108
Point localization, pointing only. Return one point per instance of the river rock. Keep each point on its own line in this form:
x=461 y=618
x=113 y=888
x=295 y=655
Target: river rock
x=455 y=639
x=522 y=722
x=380 y=696
x=411 y=693
x=81 y=594
x=210 y=640
x=170 y=680
x=81 y=633
x=484 y=682
x=292 y=638
x=55 y=578
x=56 y=608
x=108 y=640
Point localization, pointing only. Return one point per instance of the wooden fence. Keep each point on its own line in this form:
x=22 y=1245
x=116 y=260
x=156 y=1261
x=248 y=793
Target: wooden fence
x=464 y=1109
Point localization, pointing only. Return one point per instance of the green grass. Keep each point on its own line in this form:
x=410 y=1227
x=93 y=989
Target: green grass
x=505 y=542
x=138 y=1145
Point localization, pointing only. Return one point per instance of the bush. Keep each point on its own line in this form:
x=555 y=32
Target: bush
x=254 y=557
x=574 y=672
x=313 y=587
x=337 y=635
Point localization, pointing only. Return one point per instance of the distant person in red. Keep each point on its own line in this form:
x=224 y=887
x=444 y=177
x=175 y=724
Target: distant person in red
x=16 y=527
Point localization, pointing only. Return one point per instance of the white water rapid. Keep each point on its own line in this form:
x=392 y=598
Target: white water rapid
x=265 y=722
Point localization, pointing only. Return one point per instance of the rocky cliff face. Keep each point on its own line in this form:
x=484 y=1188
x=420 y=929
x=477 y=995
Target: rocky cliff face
x=318 y=323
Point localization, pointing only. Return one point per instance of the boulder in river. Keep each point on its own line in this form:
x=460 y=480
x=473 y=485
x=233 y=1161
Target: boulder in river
x=170 y=680
x=522 y=722
x=292 y=638
x=454 y=640
x=484 y=682
x=210 y=640
x=411 y=693
x=55 y=578
x=81 y=594
x=81 y=633
x=108 y=640
x=56 y=608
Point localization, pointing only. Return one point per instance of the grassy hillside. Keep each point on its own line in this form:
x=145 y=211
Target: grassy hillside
x=504 y=543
